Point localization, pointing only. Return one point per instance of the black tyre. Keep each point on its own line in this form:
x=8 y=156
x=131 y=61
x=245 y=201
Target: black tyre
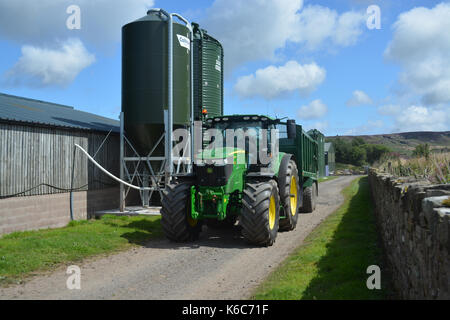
x=176 y=220
x=260 y=213
x=228 y=223
x=316 y=194
x=309 y=199
x=290 y=196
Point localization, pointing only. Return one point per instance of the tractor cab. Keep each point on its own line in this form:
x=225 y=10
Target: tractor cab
x=251 y=137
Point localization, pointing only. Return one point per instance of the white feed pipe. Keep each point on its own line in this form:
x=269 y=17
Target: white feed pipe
x=110 y=174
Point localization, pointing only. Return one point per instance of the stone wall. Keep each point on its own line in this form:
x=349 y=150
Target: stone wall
x=414 y=229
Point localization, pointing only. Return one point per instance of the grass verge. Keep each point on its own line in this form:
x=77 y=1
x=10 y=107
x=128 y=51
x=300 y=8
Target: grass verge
x=22 y=253
x=332 y=262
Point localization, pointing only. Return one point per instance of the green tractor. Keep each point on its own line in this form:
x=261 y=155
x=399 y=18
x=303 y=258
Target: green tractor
x=230 y=184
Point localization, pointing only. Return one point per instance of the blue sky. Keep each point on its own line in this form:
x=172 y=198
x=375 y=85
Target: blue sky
x=314 y=61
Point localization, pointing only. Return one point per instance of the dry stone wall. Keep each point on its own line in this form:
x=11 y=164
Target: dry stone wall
x=414 y=227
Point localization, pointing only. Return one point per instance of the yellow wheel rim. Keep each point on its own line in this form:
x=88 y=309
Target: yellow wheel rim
x=272 y=212
x=294 y=196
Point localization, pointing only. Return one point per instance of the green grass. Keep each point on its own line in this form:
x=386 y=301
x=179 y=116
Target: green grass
x=332 y=262
x=22 y=253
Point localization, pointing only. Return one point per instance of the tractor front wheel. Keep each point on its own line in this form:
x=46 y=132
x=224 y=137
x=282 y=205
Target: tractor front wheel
x=260 y=212
x=290 y=196
x=176 y=219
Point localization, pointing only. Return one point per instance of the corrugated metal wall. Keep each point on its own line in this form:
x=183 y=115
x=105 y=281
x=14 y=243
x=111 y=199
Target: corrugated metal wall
x=31 y=155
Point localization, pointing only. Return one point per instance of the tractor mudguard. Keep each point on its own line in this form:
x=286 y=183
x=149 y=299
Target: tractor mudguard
x=308 y=183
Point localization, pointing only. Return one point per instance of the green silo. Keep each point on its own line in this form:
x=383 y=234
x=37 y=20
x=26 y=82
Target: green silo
x=208 y=74
x=145 y=79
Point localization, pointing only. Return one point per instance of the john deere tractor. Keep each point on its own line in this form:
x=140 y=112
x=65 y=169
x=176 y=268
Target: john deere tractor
x=230 y=184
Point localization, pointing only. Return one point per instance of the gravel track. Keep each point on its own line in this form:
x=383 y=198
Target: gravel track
x=218 y=266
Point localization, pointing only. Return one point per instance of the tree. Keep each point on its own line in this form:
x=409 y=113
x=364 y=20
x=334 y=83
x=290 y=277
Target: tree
x=422 y=150
x=342 y=149
x=374 y=152
x=357 y=156
x=357 y=152
x=358 y=141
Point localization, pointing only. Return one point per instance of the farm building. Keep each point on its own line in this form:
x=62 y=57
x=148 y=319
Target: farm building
x=39 y=168
x=330 y=158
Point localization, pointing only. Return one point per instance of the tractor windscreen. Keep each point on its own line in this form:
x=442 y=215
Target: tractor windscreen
x=251 y=135
x=239 y=131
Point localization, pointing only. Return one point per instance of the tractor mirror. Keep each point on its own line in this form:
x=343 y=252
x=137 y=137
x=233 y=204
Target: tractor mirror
x=291 y=129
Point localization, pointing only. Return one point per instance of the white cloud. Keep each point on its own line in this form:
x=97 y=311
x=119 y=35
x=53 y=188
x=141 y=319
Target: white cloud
x=38 y=22
x=320 y=125
x=389 y=110
x=359 y=98
x=315 y=110
x=247 y=36
x=273 y=82
x=419 y=118
x=315 y=24
x=318 y=24
x=50 y=66
x=251 y=29
x=421 y=45
x=349 y=27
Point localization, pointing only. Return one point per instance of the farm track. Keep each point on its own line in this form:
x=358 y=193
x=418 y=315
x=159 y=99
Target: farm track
x=218 y=266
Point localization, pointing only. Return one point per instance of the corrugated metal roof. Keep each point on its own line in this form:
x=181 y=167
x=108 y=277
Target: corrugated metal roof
x=13 y=108
x=327 y=146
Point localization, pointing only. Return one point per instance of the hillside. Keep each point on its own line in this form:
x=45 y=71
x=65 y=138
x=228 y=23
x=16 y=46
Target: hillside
x=404 y=143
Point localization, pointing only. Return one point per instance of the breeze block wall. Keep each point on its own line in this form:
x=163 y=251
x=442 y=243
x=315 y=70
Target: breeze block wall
x=415 y=231
x=53 y=210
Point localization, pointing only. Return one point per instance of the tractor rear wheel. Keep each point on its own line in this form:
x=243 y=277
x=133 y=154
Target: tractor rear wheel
x=176 y=219
x=260 y=212
x=309 y=199
x=290 y=196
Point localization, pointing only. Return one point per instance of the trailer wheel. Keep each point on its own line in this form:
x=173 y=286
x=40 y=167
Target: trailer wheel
x=316 y=194
x=290 y=196
x=310 y=199
x=176 y=220
x=260 y=212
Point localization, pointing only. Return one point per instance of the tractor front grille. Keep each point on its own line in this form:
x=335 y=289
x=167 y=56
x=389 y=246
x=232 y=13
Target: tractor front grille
x=213 y=175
